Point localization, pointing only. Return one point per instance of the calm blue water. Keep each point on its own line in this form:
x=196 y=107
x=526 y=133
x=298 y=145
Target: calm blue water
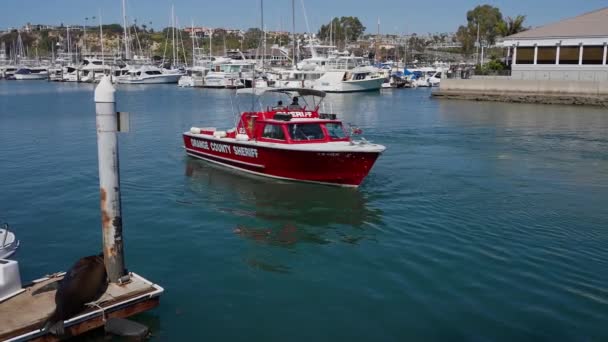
x=481 y=222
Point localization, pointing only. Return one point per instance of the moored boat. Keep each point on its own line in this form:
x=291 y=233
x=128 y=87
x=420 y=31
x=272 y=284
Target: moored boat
x=31 y=74
x=292 y=143
x=8 y=242
x=148 y=74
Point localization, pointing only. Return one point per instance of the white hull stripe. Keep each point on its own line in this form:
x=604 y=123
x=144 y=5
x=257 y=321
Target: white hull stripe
x=224 y=158
x=270 y=176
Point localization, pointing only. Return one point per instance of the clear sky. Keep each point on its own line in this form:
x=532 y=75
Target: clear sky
x=421 y=16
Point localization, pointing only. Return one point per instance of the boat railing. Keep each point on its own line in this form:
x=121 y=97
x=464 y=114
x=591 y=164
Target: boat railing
x=5 y=227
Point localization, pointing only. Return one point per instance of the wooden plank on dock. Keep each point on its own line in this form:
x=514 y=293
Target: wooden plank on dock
x=22 y=316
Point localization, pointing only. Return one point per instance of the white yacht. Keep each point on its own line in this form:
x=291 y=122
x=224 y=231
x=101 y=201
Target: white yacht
x=92 y=69
x=147 y=74
x=298 y=78
x=229 y=75
x=349 y=74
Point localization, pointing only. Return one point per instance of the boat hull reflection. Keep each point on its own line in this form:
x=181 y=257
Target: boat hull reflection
x=285 y=205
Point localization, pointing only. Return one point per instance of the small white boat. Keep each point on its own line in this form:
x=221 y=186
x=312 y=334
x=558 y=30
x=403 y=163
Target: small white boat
x=31 y=74
x=8 y=242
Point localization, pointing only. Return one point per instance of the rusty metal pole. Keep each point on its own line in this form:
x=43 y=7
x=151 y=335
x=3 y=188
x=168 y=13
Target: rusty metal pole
x=109 y=180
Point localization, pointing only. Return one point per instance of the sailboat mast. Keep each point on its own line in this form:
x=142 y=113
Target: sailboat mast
x=293 y=33
x=263 y=33
x=124 y=31
x=101 y=39
x=331 y=31
x=68 y=42
x=173 y=33
x=192 y=35
x=378 y=42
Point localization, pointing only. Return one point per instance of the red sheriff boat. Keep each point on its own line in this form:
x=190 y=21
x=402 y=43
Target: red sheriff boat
x=291 y=143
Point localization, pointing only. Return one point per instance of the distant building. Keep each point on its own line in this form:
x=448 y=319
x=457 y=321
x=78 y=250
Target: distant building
x=198 y=31
x=202 y=32
x=571 y=49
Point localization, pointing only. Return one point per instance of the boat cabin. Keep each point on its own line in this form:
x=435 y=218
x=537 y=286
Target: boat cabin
x=289 y=124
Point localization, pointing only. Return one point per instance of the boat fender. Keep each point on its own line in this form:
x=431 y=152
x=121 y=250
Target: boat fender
x=195 y=130
x=126 y=328
x=242 y=137
x=219 y=134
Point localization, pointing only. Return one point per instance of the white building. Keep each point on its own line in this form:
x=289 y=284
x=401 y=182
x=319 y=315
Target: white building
x=571 y=49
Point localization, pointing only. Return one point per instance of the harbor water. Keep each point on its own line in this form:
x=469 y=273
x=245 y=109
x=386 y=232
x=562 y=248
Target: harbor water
x=481 y=221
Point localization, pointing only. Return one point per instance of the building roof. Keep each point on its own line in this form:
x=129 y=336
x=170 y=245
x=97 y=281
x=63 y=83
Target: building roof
x=592 y=24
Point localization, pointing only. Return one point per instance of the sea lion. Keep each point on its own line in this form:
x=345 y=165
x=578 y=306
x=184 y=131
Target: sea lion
x=83 y=283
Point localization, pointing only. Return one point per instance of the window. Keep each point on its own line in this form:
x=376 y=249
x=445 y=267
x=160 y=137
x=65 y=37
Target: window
x=359 y=76
x=546 y=55
x=272 y=131
x=301 y=132
x=568 y=55
x=335 y=130
x=525 y=55
x=593 y=54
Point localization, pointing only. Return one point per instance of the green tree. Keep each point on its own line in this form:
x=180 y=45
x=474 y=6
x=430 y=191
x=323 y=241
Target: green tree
x=345 y=29
x=511 y=26
x=484 y=18
x=252 y=38
x=464 y=37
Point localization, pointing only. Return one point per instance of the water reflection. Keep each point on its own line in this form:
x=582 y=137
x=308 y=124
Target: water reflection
x=282 y=213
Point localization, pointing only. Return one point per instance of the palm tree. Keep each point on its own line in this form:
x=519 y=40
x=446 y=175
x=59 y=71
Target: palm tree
x=511 y=26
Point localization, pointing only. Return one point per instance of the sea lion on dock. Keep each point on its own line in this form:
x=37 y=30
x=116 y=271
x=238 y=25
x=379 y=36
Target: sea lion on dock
x=83 y=283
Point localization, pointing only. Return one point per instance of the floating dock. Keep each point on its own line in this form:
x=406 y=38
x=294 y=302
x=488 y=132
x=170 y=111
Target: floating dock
x=24 y=315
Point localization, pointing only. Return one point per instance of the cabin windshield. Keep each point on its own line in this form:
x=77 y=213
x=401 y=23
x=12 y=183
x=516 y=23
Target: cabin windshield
x=307 y=131
x=335 y=131
x=272 y=131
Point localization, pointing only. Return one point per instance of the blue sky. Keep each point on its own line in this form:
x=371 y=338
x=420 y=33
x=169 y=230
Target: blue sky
x=395 y=15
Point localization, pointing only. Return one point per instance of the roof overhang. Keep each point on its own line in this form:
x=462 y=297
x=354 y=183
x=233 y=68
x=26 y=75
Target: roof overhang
x=554 y=41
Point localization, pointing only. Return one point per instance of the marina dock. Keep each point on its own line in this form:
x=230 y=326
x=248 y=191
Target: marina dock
x=24 y=315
